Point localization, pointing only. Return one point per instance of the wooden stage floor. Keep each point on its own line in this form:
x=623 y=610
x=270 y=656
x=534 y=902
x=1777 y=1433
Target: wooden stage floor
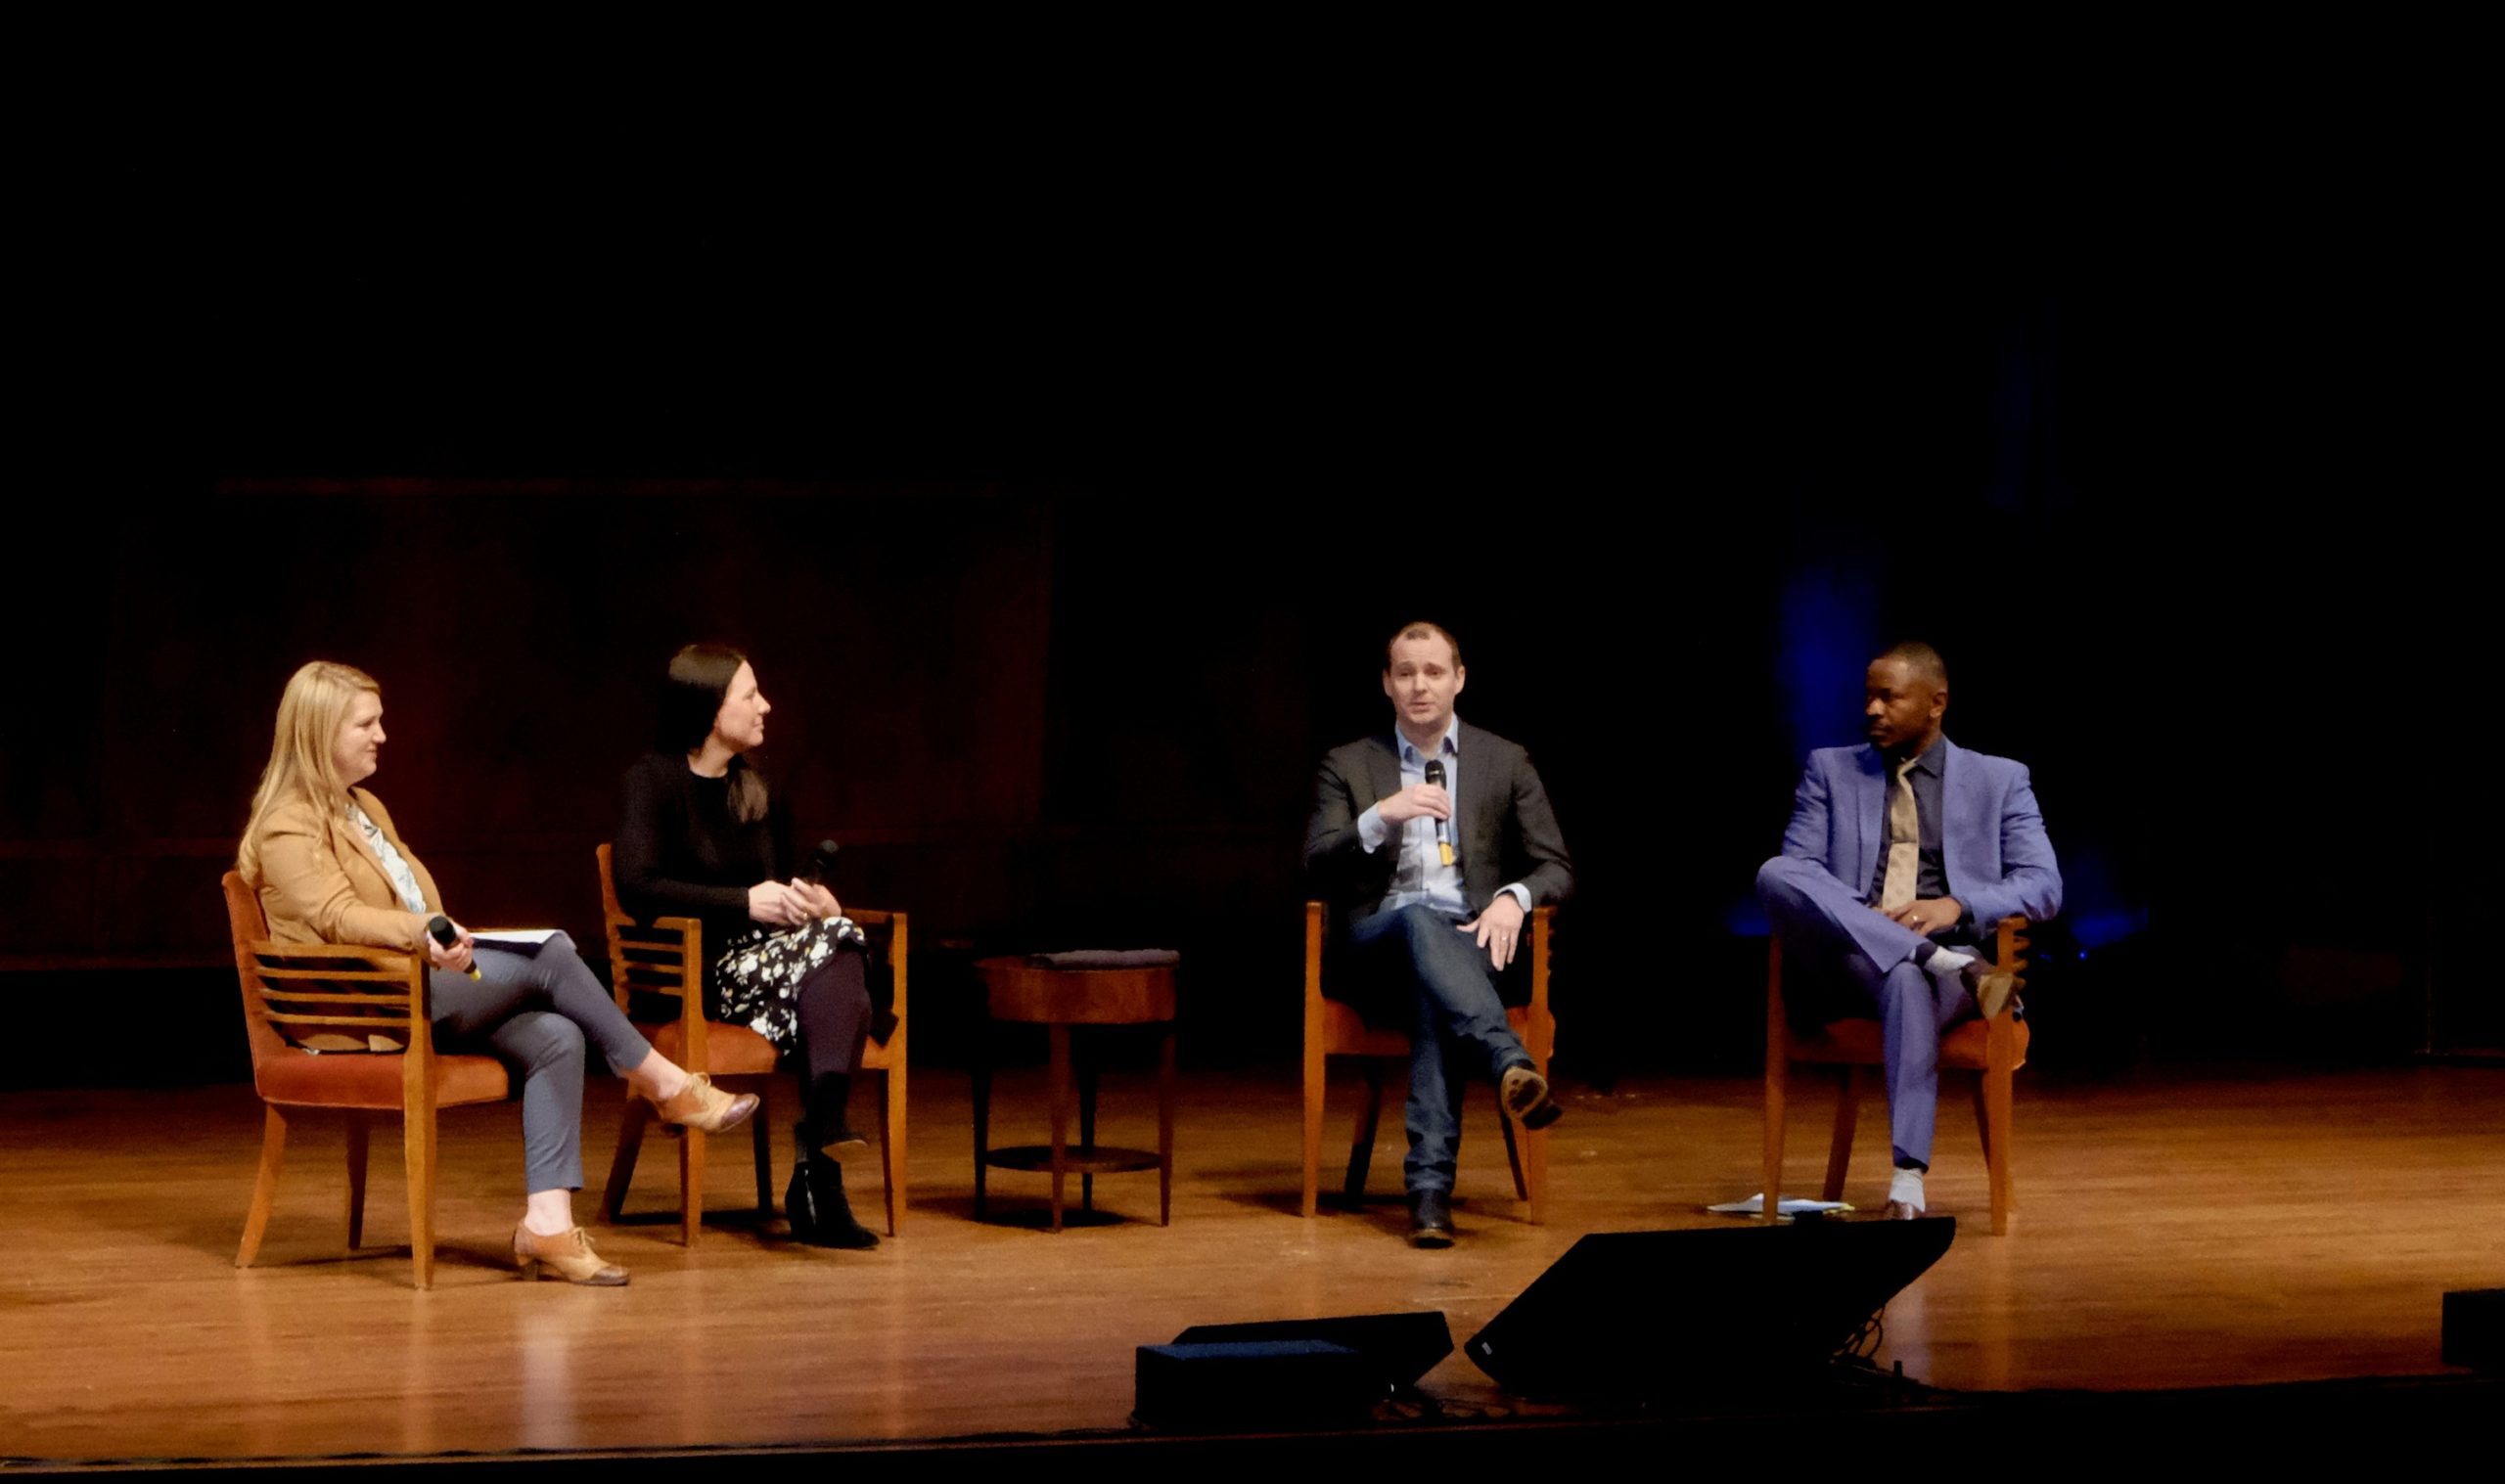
x=2175 y=1231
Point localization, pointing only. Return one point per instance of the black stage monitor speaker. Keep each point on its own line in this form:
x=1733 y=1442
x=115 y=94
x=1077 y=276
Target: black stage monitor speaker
x=1270 y=1383
x=2475 y=1328
x=1398 y=1347
x=1656 y=1315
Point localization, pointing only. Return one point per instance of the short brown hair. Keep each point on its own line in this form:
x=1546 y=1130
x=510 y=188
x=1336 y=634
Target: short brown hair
x=1422 y=629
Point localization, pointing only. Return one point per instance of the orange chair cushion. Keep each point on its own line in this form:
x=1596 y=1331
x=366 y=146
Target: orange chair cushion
x=1858 y=1043
x=730 y=1051
x=356 y=1080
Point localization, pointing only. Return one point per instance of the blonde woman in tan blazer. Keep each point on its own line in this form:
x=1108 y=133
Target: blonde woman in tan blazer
x=329 y=868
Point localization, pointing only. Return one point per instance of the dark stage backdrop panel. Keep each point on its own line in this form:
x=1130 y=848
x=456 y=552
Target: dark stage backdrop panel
x=901 y=637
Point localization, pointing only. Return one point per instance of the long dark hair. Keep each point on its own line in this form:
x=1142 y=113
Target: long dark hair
x=691 y=697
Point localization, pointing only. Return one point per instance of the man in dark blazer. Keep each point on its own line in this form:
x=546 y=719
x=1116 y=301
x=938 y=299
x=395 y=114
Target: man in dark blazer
x=1432 y=843
x=1901 y=856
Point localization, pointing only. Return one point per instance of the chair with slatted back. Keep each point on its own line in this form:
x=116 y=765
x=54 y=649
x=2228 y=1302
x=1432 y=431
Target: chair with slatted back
x=328 y=989
x=665 y=957
x=1993 y=1050
x=1335 y=1029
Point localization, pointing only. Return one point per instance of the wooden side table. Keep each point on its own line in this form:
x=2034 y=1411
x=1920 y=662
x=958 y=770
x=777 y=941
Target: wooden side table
x=1060 y=999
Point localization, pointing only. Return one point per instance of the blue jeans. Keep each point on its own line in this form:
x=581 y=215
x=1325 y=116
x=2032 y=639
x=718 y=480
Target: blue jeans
x=1457 y=1028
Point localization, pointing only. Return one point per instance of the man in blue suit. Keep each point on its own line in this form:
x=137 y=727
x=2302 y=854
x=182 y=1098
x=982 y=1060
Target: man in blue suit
x=1900 y=858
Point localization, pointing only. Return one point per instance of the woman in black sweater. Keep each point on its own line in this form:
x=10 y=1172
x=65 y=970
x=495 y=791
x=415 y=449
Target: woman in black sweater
x=698 y=835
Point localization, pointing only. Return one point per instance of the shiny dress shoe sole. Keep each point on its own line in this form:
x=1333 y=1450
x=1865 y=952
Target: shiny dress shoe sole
x=1526 y=1097
x=703 y=1107
x=1990 y=987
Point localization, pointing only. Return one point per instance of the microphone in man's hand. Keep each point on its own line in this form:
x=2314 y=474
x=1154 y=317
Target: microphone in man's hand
x=821 y=863
x=1443 y=837
x=440 y=928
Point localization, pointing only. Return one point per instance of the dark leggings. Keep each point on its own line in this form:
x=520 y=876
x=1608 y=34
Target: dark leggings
x=835 y=1024
x=832 y=1002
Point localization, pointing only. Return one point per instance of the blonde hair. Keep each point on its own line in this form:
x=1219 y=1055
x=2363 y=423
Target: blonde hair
x=303 y=754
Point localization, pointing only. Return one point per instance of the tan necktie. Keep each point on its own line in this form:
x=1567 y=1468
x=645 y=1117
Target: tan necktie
x=1905 y=842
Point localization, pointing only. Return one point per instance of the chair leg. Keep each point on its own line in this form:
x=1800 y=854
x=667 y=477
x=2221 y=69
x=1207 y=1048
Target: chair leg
x=691 y=1185
x=1512 y=1154
x=264 y=1184
x=1848 y=1119
x=356 y=1180
x=890 y=1142
x=1313 y=1086
x=982 y=1111
x=1777 y=1111
x=417 y=1151
x=1361 y=1148
x=1058 y=1058
x=621 y=1164
x=1996 y=1090
x=1526 y=1153
x=1983 y=1115
x=1165 y=1126
x=758 y=1124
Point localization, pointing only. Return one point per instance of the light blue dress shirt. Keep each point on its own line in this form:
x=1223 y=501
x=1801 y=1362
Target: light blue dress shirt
x=1421 y=876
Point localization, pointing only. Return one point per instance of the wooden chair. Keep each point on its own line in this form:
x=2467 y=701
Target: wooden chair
x=1993 y=1048
x=362 y=991
x=666 y=957
x=1334 y=1029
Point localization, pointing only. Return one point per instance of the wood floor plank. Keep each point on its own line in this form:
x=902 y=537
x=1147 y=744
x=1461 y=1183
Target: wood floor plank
x=2171 y=1231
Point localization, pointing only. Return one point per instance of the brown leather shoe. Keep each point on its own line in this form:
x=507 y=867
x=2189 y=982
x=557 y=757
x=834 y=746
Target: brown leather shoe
x=1990 y=987
x=706 y=1108
x=1526 y=1096
x=567 y=1256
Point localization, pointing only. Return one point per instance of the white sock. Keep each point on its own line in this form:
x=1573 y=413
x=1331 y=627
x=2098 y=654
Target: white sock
x=1945 y=964
x=1907 y=1187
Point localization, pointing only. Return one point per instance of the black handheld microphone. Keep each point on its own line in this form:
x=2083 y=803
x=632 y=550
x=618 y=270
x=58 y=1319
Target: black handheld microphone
x=821 y=861
x=1443 y=837
x=440 y=928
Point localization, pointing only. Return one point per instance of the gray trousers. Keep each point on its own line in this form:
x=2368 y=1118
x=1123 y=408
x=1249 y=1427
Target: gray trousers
x=1826 y=926
x=535 y=1009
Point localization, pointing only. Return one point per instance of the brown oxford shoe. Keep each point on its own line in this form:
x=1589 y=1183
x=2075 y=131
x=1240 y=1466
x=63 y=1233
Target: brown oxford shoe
x=568 y=1255
x=706 y=1108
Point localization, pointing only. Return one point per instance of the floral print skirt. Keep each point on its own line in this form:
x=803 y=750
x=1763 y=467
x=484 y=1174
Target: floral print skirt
x=755 y=982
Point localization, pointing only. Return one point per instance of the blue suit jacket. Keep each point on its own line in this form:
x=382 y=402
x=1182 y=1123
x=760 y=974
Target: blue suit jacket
x=1992 y=844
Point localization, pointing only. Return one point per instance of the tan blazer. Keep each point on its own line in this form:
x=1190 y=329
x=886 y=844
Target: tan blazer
x=322 y=883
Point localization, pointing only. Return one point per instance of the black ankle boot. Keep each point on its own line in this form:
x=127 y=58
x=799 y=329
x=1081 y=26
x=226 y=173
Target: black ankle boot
x=816 y=1207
